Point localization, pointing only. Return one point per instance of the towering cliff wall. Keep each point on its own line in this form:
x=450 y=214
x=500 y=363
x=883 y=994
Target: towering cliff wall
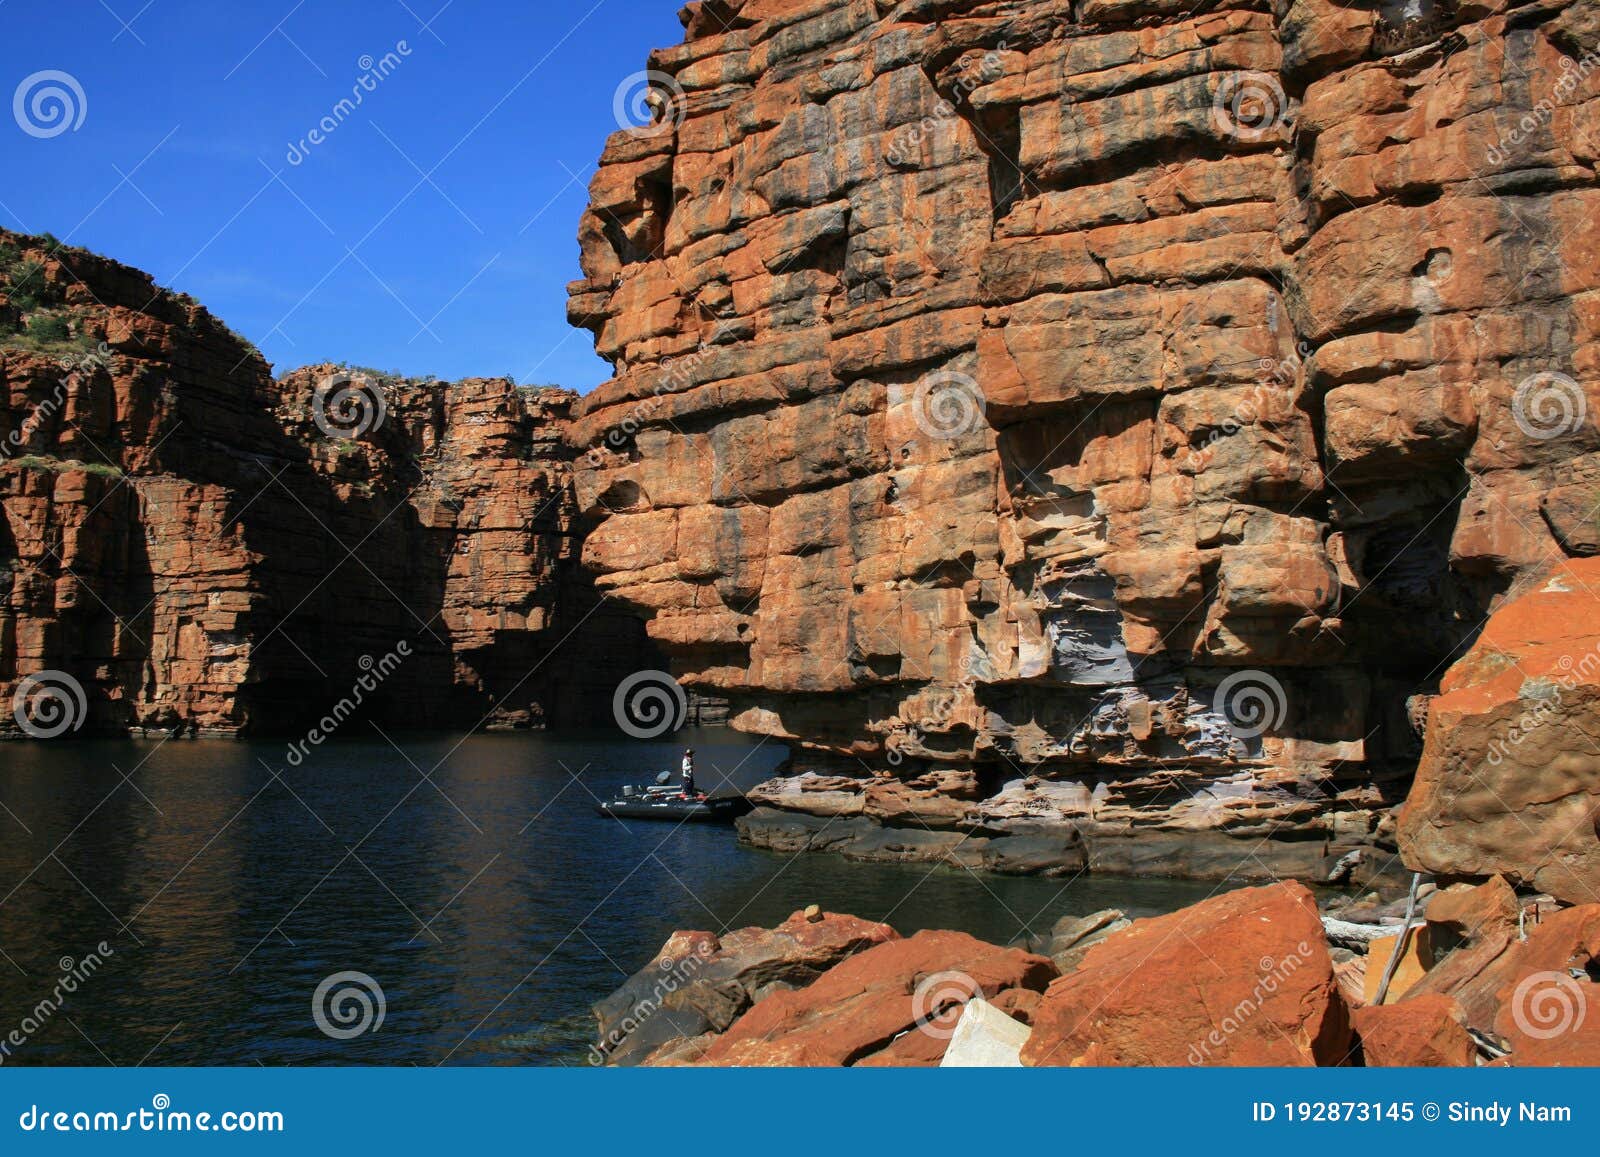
x=200 y=548
x=1067 y=420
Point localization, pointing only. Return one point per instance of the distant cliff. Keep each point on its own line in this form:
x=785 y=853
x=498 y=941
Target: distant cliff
x=202 y=549
x=1068 y=421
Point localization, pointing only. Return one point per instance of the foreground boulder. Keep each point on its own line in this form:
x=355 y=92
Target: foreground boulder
x=1426 y=1032
x=896 y=1003
x=1510 y=774
x=1240 y=979
x=1535 y=998
x=1073 y=936
x=1549 y=1011
x=985 y=1038
x=699 y=983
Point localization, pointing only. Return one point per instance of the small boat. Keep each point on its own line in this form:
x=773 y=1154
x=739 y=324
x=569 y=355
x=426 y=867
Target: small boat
x=664 y=800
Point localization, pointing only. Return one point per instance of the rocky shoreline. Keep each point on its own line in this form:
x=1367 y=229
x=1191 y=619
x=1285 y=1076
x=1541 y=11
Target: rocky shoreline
x=1256 y=976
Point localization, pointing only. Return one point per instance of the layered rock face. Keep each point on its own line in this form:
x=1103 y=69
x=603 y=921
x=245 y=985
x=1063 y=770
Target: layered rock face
x=1066 y=422
x=204 y=549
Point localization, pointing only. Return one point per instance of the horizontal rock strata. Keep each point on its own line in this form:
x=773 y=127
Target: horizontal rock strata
x=1094 y=423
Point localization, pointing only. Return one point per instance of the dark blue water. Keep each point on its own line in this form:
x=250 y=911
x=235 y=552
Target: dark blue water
x=468 y=877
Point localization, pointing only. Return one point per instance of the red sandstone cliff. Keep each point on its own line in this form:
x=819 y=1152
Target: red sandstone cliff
x=1071 y=420
x=204 y=549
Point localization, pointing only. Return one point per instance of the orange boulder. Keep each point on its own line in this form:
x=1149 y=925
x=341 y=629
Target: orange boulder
x=1426 y=1030
x=1241 y=979
x=900 y=1000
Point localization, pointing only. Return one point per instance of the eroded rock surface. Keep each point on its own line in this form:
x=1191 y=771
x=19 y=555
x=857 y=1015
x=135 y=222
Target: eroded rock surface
x=699 y=983
x=1241 y=979
x=1122 y=413
x=1510 y=775
x=897 y=1003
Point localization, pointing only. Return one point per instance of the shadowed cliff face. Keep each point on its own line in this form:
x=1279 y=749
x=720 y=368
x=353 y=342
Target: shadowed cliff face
x=201 y=548
x=1099 y=416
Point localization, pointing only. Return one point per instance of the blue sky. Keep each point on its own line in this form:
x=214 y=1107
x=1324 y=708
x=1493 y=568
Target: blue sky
x=432 y=231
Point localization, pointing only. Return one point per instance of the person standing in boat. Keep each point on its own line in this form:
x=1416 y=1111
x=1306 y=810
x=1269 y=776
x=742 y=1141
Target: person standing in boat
x=688 y=772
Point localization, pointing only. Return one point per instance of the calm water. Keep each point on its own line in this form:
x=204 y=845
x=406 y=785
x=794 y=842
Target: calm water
x=488 y=901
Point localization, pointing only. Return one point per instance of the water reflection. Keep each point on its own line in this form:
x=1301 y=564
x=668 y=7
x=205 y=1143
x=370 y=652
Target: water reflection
x=469 y=877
